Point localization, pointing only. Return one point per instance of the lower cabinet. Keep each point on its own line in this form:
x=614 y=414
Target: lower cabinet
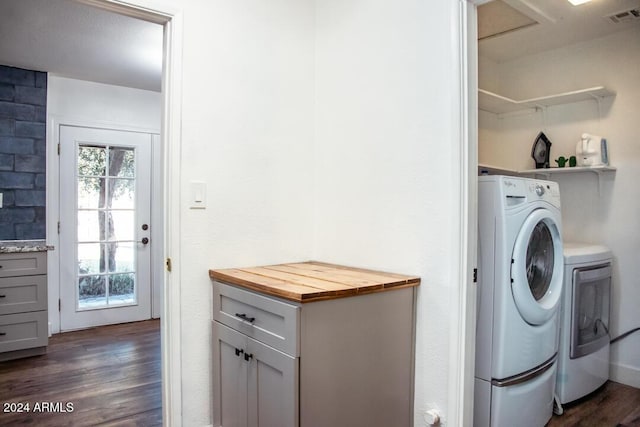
x=344 y=362
x=24 y=325
x=260 y=383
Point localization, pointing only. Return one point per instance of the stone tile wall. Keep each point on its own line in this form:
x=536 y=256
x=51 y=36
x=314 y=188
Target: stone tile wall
x=23 y=103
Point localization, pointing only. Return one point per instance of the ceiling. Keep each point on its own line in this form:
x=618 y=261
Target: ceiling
x=74 y=40
x=559 y=24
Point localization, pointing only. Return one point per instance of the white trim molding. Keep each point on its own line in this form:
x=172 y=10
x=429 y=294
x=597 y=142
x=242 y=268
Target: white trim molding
x=624 y=374
x=463 y=318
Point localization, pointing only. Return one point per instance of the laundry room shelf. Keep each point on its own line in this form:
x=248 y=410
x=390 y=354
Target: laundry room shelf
x=498 y=104
x=484 y=169
x=550 y=171
x=547 y=173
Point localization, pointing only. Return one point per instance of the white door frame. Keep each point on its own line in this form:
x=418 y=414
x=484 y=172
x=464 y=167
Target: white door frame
x=172 y=21
x=463 y=297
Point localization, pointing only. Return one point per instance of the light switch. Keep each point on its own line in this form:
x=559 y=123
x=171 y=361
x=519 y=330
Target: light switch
x=198 y=195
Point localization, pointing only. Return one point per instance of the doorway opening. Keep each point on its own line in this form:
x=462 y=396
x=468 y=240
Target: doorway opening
x=170 y=20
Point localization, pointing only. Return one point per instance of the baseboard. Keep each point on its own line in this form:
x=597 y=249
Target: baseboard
x=624 y=374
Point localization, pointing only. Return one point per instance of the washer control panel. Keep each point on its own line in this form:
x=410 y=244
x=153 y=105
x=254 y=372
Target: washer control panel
x=544 y=190
x=518 y=190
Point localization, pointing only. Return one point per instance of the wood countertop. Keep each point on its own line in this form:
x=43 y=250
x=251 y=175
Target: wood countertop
x=312 y=281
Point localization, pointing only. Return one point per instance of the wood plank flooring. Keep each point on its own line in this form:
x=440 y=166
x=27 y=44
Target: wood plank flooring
x=110 y=375
x=612 y=405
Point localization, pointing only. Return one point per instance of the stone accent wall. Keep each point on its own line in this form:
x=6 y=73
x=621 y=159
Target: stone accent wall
x=23 y=100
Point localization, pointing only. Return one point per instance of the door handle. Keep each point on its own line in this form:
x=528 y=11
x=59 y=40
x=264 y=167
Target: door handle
x=144 y=241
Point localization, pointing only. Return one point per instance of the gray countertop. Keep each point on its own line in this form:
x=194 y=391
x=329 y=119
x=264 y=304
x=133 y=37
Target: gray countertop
x=16 y=246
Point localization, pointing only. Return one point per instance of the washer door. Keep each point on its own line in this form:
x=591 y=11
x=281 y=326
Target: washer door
x=537 y=268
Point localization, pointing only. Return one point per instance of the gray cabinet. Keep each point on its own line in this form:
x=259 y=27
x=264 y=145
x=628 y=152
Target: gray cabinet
x=260 y=383
x=23 y=304
x=335 y=362
x=256 y=363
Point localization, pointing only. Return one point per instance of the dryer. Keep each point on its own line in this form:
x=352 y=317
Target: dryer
x=520 y=280
x=583 y=357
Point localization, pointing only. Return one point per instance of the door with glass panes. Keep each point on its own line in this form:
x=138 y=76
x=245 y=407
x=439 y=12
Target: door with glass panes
x=105 y=195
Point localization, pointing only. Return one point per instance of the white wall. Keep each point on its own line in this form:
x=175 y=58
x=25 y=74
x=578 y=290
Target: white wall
x=611 y=216
x=323 y=129
x=79 y=102
x=386 y=119
x=247 y=131
x=100 y=103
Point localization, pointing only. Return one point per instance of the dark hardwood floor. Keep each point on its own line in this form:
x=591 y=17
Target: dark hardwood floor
x=111 y=377
x=612 y=405
x=106 y=376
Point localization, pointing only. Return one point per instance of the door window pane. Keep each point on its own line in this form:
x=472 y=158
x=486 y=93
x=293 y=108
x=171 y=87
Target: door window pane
x=122 y=257
x=121 y=162
x=91 y=193
x=122 y=225
x=91 y=226
x=122 y=289
x=121 y=193
x=89 y=256
x=92 y=161
x=91 y=291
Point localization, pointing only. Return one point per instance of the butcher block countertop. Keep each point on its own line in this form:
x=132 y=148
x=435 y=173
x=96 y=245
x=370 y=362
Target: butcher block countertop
x=312 y=281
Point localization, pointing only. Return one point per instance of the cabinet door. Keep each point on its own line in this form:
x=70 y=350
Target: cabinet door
x=273 y=387
x=230 y=377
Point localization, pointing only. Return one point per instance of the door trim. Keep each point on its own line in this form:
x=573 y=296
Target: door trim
x=463 y=294
x=171 y=17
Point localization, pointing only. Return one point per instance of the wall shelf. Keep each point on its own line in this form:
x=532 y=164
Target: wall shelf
x=550 y=171
x=546 y=173
x=498 y=104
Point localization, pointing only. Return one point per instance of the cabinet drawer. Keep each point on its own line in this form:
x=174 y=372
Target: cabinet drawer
x=23 y=264
x=24 y=330
x=265 y=319
x=23 y=294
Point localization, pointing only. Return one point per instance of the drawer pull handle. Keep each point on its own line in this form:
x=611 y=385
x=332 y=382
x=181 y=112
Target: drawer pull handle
x=239 y=351
x=3 y=296
x=2 y=334
x=248 y=356
x=244 y=317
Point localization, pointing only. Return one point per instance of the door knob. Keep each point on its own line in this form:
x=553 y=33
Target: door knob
x=145 y=227
x=145 y=240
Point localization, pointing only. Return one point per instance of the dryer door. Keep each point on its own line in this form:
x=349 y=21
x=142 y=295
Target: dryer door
x=537 y=267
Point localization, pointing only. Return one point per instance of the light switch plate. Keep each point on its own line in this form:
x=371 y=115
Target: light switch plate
x=198 y=195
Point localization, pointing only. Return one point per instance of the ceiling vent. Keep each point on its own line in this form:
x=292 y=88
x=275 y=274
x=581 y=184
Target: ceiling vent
x=625 y=16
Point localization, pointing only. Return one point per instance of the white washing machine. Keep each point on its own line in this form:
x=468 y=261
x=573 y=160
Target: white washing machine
x=583 y=356
x=521 y=269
